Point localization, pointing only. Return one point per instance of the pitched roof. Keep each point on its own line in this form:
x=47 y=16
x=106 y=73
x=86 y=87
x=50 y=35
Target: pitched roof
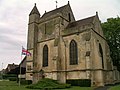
x=12 y=65
x=81 y=22
x=34 y=10
x=55 y=11
x=23 y=61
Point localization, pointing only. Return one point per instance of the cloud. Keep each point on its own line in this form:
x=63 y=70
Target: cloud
x=13 y=28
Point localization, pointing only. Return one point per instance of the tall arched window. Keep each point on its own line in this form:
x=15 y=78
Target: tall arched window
x=73 y=53
x=101 y=54
x=45 y=56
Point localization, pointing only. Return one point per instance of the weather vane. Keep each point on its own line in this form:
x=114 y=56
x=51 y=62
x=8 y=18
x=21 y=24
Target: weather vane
x=56 y=3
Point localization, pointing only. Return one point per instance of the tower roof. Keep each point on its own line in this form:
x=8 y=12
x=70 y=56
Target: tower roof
x=34 y=10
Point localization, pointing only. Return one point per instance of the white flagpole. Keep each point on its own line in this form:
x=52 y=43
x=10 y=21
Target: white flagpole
x=20 y=69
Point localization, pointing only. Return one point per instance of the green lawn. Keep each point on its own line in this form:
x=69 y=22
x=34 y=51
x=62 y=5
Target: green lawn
x=115 y=87
x=12 y=85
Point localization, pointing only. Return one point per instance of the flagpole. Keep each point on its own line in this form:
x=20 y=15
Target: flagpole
x=20 y=70
x=24 y=51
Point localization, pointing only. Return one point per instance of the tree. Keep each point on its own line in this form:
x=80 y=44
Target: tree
x=111 y=30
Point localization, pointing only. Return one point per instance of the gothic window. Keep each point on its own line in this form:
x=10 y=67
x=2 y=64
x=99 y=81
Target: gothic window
x=73 y=53
x=45 y=56
x=101 y=54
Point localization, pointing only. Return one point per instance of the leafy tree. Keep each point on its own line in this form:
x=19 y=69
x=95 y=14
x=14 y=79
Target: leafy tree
x=111 y=30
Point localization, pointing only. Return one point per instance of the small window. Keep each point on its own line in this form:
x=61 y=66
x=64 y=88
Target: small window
x=45 y=28
x=62 y=22
x=29 y=67
x=69 y=17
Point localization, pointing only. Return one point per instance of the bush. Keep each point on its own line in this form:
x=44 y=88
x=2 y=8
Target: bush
x=8 y=76
x=48 y=84
x=12 y=78
x=80 y=82
x=25 y=82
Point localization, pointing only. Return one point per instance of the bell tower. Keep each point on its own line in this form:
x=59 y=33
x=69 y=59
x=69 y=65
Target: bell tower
x=34 y=17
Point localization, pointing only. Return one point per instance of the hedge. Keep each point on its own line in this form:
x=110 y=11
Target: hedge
x=12 y=78
x=79 y=82
x=9 y=76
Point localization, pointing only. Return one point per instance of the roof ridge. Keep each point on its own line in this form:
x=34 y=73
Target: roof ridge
x=86 y=18
x=55 y=10
x=81 y=21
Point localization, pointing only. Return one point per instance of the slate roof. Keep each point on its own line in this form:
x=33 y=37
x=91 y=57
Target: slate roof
x=81 y=22
x=55 y=11
x=34 y=11
x=11 y=66
x=23 y=61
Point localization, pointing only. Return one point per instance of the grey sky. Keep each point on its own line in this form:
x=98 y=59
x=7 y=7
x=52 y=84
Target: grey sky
x=14 y=20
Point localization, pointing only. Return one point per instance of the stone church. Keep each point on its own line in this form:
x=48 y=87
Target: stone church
x=63 y=48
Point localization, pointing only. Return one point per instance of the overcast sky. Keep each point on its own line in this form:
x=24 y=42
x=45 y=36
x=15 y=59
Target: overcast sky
x=14 y=21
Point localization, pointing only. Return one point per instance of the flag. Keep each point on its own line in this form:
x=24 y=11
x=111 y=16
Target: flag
x=25 y=52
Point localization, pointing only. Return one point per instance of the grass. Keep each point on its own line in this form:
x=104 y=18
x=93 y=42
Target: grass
x=115 y=88
x=12 y=85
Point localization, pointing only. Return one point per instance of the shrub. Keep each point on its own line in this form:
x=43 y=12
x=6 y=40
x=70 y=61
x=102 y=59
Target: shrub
x=48 y=84
x=25 y=82
x=80 y=82
x=8 y=76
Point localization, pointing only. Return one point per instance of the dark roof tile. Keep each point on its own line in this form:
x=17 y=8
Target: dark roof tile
x=55 y=11
x=81 y=22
